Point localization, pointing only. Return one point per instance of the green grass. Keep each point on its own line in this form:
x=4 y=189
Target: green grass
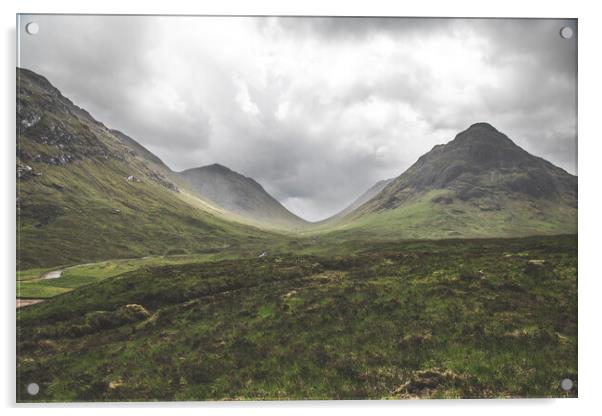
x=77 y=223
x=373 y=320
x=42 y=289
x=31 y=274
x=421 y=218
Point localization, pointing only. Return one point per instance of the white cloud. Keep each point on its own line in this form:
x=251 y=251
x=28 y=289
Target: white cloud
x=244 y=101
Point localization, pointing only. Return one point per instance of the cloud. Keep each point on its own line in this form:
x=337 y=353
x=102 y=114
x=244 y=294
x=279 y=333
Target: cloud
x=315 y=109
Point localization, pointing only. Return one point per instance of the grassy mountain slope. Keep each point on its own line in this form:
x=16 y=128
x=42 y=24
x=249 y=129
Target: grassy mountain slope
x=85 y=193
x=480 y=184
x=240 y=195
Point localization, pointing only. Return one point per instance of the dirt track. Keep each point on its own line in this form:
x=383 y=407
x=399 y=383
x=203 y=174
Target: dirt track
x=55 y=274
x=21 y=303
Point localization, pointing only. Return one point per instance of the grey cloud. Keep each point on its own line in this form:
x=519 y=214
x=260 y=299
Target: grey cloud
x=315 y=109
x=353 y=28
x=539 y=39
x=103 y=65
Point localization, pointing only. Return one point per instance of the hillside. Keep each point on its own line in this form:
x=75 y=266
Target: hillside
x=240 y=195
x=85 y=192
x=481 y=184
x=443 y=319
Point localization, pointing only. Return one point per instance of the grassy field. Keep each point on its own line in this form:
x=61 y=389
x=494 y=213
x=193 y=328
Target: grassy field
x=32 y=285
x=441 y=319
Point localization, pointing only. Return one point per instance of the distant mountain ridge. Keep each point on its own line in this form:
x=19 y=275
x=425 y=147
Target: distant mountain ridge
x=241 y=195
x=361 y=200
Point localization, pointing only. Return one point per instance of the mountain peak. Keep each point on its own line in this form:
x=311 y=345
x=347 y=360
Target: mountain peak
x=481 y=161
x=483 y=132
x=240 y=195
x=482 y=126
x=217 y=166
x=481 y=173
x=214 y=168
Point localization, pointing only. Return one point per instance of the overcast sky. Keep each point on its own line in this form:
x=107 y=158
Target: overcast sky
x=315 y=109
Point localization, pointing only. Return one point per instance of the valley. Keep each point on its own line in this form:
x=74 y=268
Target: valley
x=455 y=279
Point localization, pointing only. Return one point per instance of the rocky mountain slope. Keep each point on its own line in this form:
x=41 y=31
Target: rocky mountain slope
x=479 y=184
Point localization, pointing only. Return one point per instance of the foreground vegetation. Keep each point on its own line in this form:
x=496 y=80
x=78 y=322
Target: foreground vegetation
x=441 y=319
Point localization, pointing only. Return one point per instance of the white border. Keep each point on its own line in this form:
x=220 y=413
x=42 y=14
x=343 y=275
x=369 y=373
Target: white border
x=590 y=201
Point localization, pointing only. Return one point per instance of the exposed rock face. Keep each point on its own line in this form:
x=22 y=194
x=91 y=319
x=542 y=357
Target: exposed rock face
x=45 y=117
x=54 y=131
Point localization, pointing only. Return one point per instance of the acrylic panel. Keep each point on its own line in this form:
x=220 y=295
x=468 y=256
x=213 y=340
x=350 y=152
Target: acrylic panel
x=295 y=208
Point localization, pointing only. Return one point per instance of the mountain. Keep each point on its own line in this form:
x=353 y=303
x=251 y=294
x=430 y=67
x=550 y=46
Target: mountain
x=240 y=195
x=361 y=200
x=86 y=192
x=480 y=184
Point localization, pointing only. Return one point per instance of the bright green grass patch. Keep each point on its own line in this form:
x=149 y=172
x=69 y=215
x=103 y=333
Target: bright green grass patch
x=39 y=290
x=32 y=274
